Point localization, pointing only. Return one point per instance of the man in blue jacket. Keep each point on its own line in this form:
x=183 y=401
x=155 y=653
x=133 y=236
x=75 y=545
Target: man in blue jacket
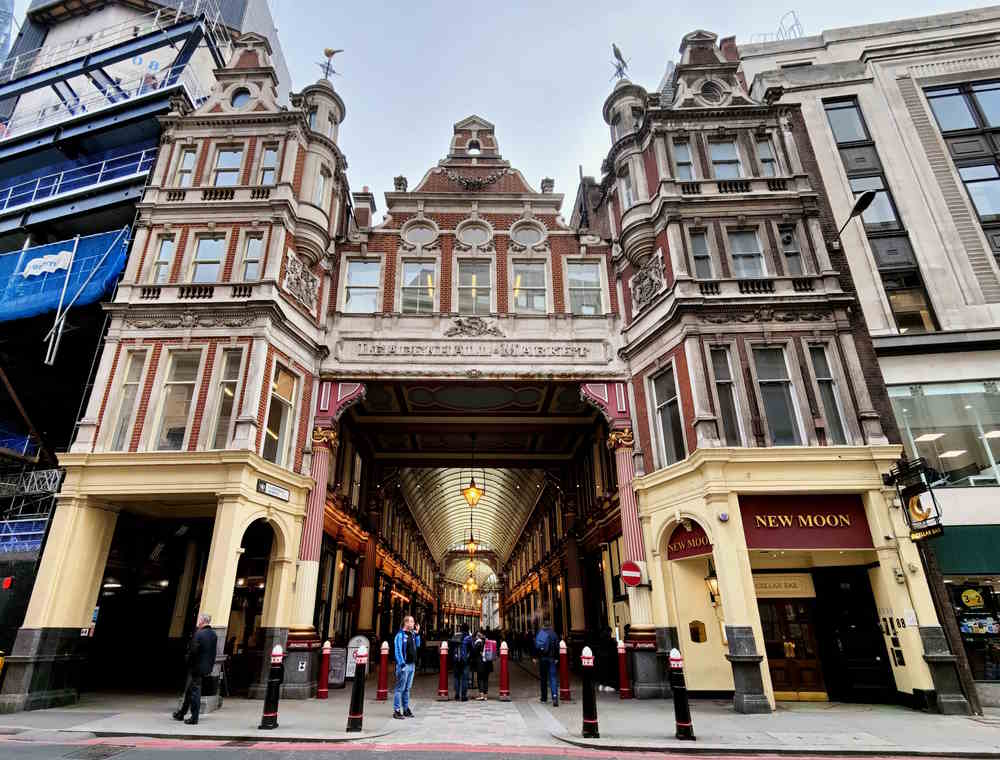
x=405 y=648
x=547 y=652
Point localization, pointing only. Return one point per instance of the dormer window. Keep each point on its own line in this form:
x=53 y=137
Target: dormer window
x=240 y=98
x=473 y=148
x=419 y=234
x=474 y=235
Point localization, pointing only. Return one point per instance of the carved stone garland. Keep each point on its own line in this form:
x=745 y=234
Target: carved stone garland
x=476 y=183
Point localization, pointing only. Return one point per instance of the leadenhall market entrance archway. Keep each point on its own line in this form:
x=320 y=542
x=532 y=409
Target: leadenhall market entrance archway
x=547 y=527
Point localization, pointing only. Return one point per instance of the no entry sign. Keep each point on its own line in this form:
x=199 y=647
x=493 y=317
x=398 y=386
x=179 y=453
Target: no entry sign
x=631 y=573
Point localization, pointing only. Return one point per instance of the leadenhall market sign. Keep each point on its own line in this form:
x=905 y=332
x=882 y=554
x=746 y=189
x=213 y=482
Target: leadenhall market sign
x=551 y=352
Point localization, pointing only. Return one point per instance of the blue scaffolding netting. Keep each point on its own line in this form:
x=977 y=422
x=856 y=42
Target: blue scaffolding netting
x=32 y=280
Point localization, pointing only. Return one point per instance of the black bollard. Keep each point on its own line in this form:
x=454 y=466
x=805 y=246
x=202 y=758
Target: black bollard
x=590 y=730
x=269 y=719
x=356 y=713
x=682 y=710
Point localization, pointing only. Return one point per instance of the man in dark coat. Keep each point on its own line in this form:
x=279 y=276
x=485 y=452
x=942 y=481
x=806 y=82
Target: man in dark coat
x=200 y=661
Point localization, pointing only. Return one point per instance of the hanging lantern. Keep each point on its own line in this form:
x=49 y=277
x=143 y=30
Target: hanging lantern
x=472 y=492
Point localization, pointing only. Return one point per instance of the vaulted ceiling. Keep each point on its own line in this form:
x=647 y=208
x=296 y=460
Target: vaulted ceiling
x=435 y=499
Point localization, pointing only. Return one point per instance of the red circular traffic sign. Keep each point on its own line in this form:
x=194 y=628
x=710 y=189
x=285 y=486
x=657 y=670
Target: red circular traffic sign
x=631 y=573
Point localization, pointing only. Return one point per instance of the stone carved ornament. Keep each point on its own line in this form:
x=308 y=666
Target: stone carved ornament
x=476 y=183
x=190 y=319
x=621 y=439
x=472 y=327
x=301 y=283
x=765 y=315
x=647 y=283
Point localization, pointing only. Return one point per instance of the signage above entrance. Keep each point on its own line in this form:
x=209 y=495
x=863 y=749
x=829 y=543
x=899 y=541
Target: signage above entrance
x=631 y=574
x=688 y=540
x=826 y=521
x=497 y=351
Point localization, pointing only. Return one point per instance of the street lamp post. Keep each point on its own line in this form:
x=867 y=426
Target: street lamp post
x=860 y=206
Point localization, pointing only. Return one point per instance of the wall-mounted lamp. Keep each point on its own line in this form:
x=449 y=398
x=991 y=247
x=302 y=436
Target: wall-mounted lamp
x=712 y=581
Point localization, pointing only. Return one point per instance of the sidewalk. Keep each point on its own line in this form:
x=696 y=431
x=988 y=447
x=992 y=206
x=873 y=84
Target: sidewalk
x=640 y=725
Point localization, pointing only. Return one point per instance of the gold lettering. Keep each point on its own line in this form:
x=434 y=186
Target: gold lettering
x=785 y=520
x=805 y=521
x=760 y=521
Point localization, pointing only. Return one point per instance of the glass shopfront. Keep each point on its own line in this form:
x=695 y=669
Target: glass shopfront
x=977 y=608
x=955 y=427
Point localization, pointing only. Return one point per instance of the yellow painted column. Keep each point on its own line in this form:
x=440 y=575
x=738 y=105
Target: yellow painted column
x=184 y=586
x=223 y=555
x=72 y=567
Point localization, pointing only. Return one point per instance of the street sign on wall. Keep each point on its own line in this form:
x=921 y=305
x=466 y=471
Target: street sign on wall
x=631 y=574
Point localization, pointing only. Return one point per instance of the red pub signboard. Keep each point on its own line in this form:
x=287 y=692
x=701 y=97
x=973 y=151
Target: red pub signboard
x=688 y=540
x=821 y=521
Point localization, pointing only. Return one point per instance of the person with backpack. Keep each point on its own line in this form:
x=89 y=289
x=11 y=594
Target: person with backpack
x=460 y=662
x=547 y=652
x=484 y=652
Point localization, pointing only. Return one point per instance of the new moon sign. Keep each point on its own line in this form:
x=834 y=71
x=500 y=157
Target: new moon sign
x=688 y=541
x=830 y=521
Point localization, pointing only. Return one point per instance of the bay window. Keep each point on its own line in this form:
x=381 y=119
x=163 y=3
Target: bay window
x=829 y=396
x=748 y=261
x=776 y=396
x=725 y=391
x=278 y=430
x=668 y=414
x=129 y=393
x=228 y=382
x=178 y=393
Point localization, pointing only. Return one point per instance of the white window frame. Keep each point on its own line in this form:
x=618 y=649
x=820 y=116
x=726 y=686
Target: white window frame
x=739 y=397
x=655 y=404
x=117 y=391
x=726 y=140
x=764 y=273
x=245 y=247
x=163 y=373
x=434 y=259
x=807 y=435
x=286 y=453
x=193 y=263
x=342 y=296
x=157 y=262
x=603 y=271
x=525 y=258
x=691 y=162
x=180 y=171
x=262 y=167
x=470 y=258
x=219 y=150
x=707 y=234
x=215 y=403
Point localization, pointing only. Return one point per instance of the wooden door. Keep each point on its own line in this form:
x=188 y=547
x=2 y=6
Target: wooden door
x=790 y=643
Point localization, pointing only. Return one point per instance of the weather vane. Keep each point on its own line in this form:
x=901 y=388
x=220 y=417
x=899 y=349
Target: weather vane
x=327 y=65
x=620 y=64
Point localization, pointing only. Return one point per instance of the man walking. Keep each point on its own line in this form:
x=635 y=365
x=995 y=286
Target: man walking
x=200 y=661
x=547 y=651
x=460 y=663
x=405 y=648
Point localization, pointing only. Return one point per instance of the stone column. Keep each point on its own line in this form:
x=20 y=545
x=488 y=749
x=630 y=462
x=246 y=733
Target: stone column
x=648 y=681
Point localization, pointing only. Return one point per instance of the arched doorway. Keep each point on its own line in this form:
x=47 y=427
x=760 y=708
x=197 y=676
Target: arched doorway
x=248 y=640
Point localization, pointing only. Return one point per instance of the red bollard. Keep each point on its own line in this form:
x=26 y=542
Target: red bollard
x=564 y=695
x=382 y=693
x=624 y=687
x=504 y=674
x=323 y=689
x=443 y=677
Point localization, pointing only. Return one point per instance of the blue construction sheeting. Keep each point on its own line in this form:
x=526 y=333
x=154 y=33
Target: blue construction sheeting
x=32 y=280
x=21 y=535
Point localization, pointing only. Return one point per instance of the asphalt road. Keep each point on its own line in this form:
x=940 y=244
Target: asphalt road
x=140 y=749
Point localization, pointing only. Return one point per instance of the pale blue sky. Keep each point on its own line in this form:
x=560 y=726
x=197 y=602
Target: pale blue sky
x=538 y=71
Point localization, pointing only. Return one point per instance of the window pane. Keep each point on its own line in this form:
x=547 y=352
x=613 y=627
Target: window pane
x=229 y=159
x=723 y=151
x=419 y=234
x=845 y=121
x=727 y=412
x=363 y=272
x=361 y=301
x=820 y=364
x=529 y=288
x=770 y=364
x=952 y=112
x=274 y=434
x=187 y=159
x=208 y=260
x=911 y=310
x=720 y=364
x=664 y=387
x=673 y=435
x=129 y=393
x=474 y=234
x=988 y=97
x=184 y=368
x=284 y=384
x=474 y=274
x=880 y=214
x=780 y=414
x=985 y=195
x=527 y=235
x=584 y=275
x=954 y=426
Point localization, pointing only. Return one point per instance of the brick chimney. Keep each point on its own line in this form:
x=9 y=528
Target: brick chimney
x=364 y=207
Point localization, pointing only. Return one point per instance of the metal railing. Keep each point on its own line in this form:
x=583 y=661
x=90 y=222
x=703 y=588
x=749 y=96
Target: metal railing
x=77 y=178
x=128 y=89
x=48 y=56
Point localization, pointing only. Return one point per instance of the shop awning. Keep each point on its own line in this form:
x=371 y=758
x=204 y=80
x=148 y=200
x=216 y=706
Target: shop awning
x=33 y=281
x=968 y=550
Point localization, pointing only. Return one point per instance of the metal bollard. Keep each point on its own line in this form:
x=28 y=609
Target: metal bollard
x=682 y=710
x=504 y=674
x=624 y=687
x=269 y=718
x=564 y=695
x=356 y=712
x=382 y=693
x=323 y=689
x=590 y=730
x=443 y=674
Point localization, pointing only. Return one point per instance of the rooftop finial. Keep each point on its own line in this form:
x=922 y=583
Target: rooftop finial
x=327 y=65
x=620 y=64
